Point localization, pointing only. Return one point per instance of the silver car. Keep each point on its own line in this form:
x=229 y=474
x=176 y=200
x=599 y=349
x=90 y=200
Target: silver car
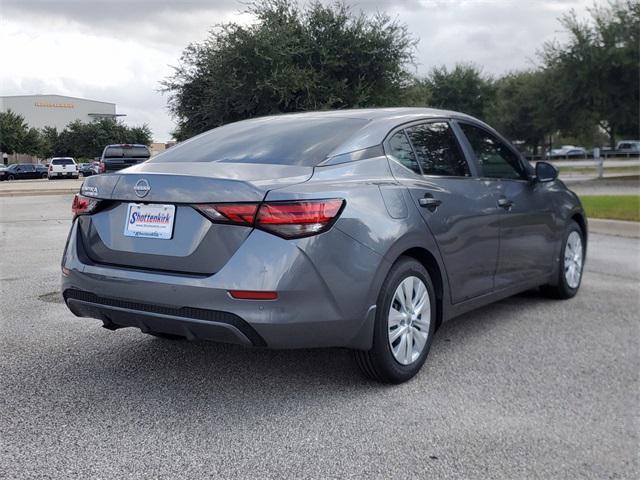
x=363 y=229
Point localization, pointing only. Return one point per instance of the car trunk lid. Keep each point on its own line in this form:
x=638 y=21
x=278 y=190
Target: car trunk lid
x=197 y=246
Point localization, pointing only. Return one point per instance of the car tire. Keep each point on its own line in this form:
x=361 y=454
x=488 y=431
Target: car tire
x=165 y=336
x=385 y=361
x=44 y=175
x=571 y=260
x=11 y=178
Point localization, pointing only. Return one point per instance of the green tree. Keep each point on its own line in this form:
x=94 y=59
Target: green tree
x=13 y=130
x=464 y=89
x=290 y=59
x=32 y=142
x=519 y=111
x=87 y=140
x=594 y=76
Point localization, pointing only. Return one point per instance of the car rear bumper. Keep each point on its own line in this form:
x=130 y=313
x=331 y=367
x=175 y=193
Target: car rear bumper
x=192 y=323
x=318 y=305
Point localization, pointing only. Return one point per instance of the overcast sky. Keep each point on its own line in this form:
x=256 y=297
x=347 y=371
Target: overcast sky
x=118 y=50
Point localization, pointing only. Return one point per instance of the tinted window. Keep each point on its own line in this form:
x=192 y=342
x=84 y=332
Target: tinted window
x=286 y=140
x=62 y=161
x=438 y=150
x=496 y=159
x=400 y=149
x=127 y=152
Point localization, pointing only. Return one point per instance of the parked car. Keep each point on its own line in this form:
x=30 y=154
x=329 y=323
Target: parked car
x=363 y=229
x=20 y=171
x=43 y=170
x=568 y=151
x=628 y=147
x=63 y=167
x=117 y=157
x=87 y=169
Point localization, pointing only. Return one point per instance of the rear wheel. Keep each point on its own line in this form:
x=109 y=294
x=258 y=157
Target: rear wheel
x=571 y=265
x=404 y=325
x=44 y=175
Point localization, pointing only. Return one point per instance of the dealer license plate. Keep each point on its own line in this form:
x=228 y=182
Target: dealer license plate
x=150 y=221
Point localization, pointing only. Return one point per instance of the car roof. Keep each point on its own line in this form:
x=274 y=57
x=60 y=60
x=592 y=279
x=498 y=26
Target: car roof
x=125 y=145
x=390 y=113
x=379 y=121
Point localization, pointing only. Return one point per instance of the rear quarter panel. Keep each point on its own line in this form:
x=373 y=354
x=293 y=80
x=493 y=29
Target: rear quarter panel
x=378 y=224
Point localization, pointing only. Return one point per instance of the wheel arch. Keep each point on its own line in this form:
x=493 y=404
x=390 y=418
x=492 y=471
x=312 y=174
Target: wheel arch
x=580 y=219
x=429 y=262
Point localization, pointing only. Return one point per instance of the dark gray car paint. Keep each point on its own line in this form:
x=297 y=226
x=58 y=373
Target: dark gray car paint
x=328 y=284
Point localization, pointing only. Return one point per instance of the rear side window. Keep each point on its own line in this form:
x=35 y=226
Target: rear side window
x=437 y=150
x=286 y=140
x=62 y=161
x=495 y=158
x=127 y=152
x=401 y=150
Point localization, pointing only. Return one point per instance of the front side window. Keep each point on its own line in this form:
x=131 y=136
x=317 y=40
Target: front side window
x=495 y=158
x=401 y=150
x=437 y=150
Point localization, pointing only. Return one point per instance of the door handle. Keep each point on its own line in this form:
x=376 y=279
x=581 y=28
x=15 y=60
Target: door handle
x=505 y=203
x=429 y=202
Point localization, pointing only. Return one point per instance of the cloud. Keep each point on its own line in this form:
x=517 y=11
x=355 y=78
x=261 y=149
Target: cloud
x=119 y=50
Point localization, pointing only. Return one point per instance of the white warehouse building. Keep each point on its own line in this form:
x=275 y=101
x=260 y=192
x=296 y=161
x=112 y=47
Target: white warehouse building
x=56 y=110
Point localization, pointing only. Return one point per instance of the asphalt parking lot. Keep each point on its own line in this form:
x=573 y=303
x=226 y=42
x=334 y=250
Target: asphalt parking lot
x=525 y=388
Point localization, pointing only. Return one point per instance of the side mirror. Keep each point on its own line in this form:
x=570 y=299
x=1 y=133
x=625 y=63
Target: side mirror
x=545 y=172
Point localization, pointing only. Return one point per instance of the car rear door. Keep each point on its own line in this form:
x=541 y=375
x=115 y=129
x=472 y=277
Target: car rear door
x=527 y=227
x=457 y=207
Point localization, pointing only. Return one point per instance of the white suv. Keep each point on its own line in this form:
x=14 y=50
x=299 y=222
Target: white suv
x=62 y=167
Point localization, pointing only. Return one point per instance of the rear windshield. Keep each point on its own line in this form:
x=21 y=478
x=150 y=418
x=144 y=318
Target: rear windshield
x=286 y=140
x=62 y=161
x=127 y=152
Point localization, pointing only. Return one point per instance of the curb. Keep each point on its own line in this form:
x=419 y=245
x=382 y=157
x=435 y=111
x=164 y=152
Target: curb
x=616 y=228
x=29 y=193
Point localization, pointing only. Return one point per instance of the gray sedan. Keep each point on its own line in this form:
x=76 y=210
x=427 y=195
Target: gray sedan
x=363 y=229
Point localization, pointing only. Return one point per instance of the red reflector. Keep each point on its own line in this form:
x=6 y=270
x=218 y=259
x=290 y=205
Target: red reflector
x=253 y=295
x=238 y=212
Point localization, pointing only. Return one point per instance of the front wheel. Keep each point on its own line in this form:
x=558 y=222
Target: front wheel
x=404 y=325
x=571 y=265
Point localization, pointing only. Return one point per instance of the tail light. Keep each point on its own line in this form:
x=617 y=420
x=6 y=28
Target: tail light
x=83 y=205
x=102 y=167
x=285 y=219
x=50 y=167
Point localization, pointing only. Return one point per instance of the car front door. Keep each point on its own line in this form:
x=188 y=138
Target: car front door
x=457 y=207
x=527 y=226
x=30 y=171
